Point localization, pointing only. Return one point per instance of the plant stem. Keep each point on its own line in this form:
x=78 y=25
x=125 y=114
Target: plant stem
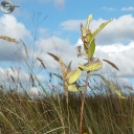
x=82 y=104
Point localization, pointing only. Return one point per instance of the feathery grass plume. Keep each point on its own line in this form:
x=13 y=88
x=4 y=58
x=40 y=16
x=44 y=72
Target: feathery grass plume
x=128 y=87
x=9 y=39
x=54 y=56
x=63 y=70
x=65 y=84
x=42 y=63
x=25 y=48
x=111 y=63
x=62 y=66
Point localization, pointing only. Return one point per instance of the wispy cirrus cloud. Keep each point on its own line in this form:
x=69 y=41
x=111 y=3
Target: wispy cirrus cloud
x=130 y=8
x=57 y=3
x=108 y=8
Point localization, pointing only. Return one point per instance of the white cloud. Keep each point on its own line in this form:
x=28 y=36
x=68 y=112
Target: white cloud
x=118 y=53
x=72 y=25
x=108 y=8
x=59 y=3
x=118 y=30
x=21 y=13
x=127 y=8
x=59 y=47
x=11 y=27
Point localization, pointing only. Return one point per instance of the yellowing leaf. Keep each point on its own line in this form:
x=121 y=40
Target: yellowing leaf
x=74 y=88
x=112 y=86
x=73 y=76
x=92 y=66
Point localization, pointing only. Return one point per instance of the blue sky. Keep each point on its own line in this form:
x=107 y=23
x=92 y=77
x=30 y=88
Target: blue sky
x=60 y=33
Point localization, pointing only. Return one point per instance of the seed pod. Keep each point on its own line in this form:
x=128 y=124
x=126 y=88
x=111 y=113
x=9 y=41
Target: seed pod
x=73 y=76
x=92 y=66
x=74 y=88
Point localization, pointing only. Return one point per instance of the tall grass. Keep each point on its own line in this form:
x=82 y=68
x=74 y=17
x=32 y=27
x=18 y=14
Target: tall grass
x=102 y=114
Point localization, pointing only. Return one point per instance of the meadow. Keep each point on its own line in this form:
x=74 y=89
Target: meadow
x=102 y=114
x=74 y=110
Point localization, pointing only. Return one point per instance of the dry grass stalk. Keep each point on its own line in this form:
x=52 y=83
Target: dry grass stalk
x=9 y=39
x=25 y=48
x=42 y=63
x=54 y=56
x=61 y=115
x=112 y=64
x=1 y=86
x=59 y=76
x=62 y=67
x=32 y=80
x=64 y=72
x=69 y=66
x=128 y=87
x=12 y=78
x=79 y=51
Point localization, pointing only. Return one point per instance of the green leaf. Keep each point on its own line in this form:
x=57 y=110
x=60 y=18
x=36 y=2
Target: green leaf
x=98 y=30
x=112 y=86
x=91 y=49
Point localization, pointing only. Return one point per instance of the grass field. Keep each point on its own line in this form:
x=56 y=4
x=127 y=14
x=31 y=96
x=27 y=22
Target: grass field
x=102 y=114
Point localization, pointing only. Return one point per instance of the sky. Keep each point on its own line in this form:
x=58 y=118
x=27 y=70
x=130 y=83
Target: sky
x=54 y=26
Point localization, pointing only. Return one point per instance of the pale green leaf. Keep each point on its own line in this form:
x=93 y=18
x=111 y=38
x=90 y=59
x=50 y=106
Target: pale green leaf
x=74 y=75
x=92 y=66
x=91 y=49
x=112 y=86
x=98 y=30
x=75 y=88
x=88 y=21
